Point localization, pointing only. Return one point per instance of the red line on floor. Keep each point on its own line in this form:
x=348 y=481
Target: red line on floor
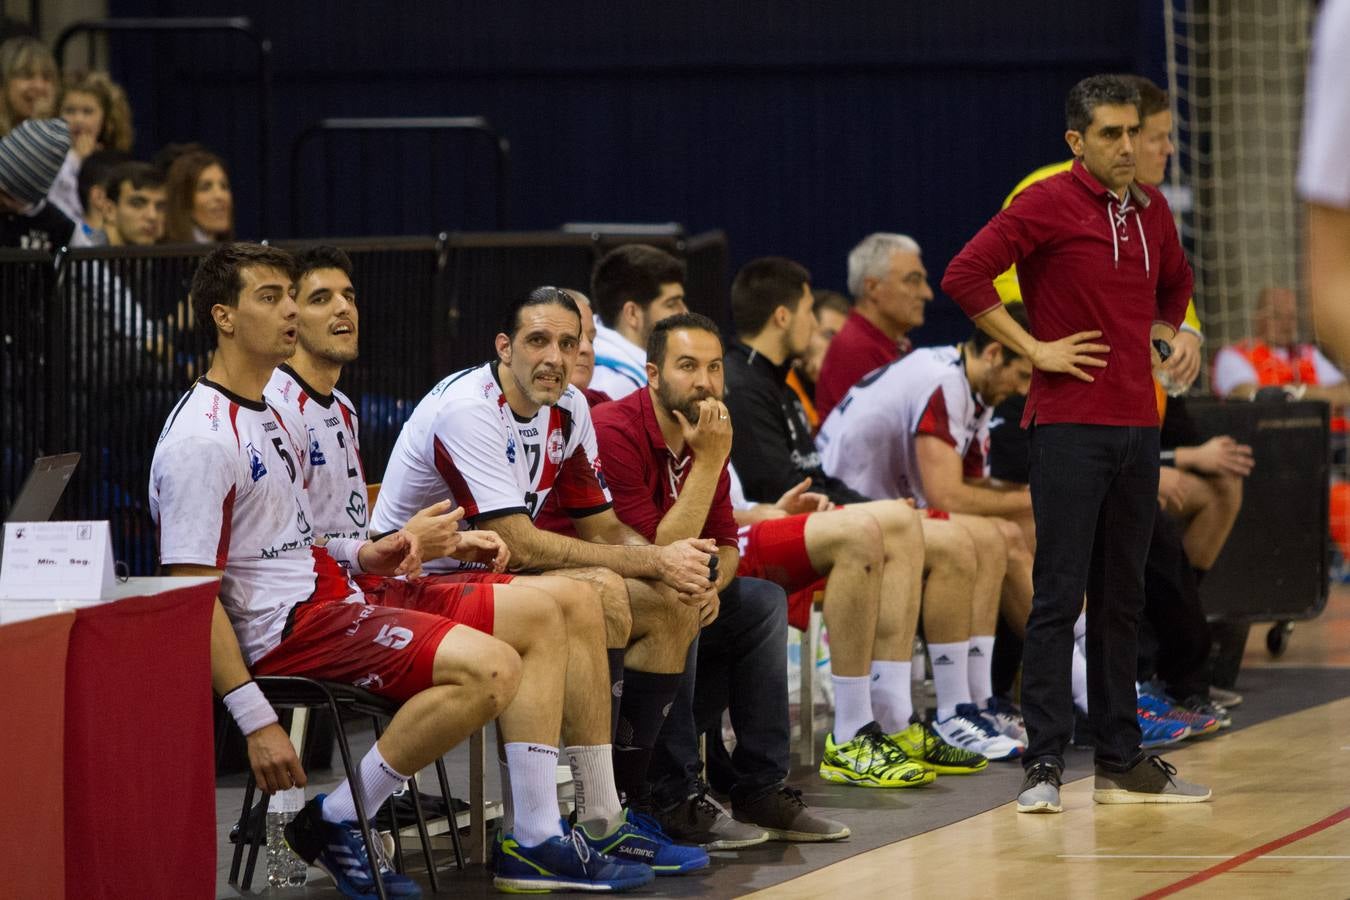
x=1230 y=864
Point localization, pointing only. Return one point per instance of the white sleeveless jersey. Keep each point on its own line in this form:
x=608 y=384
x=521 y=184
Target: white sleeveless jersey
x=326 y=426
x=464 y=444
x=226 y=491
x=868 y=440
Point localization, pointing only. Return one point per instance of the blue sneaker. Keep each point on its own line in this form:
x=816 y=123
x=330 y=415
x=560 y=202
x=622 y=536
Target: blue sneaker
x=341 y=852
x=640 y=839
x=1159 y=731
x=562 y=864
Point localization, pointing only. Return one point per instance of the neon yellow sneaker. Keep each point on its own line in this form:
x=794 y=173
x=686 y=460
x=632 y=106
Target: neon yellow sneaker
x=871 y=760
x=927 y=748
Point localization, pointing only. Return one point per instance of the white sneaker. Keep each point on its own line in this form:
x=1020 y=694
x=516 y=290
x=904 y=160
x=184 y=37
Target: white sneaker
x=968 y=730
x=1006 y=719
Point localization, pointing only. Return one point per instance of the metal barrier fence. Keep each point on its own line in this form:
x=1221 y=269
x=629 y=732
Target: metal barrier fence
x=97 y=344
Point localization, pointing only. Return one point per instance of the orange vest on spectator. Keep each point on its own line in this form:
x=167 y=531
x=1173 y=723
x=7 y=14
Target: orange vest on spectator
x=1273 y=371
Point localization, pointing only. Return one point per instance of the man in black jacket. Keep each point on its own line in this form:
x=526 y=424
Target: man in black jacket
x=773 y=450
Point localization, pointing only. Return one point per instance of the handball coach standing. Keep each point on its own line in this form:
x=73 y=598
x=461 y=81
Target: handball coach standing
x=1103 y=275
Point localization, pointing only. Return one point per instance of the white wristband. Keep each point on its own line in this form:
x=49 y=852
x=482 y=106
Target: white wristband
x=346 y=551
x=249 y=707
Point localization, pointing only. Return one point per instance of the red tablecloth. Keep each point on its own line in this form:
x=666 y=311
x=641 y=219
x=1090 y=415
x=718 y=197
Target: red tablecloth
x=122 y=710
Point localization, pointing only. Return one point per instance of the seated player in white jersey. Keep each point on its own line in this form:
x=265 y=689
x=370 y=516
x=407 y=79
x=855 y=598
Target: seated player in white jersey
x=771 y=302
x=501 y=438
x=634 y=287
x=226 y=493
x=509 y=608
x=919 y=428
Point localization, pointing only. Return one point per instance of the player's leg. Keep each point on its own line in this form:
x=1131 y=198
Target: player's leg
x=1209 y=509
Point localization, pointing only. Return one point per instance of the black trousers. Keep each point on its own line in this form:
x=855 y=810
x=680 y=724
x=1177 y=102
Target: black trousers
x=1094 y=493
x=739 y=662
x=1174 y=640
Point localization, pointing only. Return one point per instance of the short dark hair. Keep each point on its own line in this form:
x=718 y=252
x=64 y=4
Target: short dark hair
x=760 y=287
x=632 y=272
x=95 y=169
x=540 y=296
x=140 y=174
x=219 y=277
x=1090 y=93
x=981 y=338
x=826 y=299
x=321 y=256
x=656 y=342
x=1152 y=99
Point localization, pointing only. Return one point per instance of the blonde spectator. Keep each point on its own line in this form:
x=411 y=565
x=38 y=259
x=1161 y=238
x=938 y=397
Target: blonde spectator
x=201 y=207
x=96 y=109
x=27 y=82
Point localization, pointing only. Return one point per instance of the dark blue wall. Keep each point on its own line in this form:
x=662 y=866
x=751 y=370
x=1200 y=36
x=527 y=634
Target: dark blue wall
x=796 y=126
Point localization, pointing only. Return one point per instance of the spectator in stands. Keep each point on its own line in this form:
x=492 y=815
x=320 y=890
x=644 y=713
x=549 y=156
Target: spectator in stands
x=1274 y=357
x=831 y=309
x=634 y=287
x=890 y=289
x=92 y=186
x=136 y=201
x=201 y=207
x=1152 y=151
x=665 y=448
x=96 y=110
x=28 y=78
x=30 y=157
x=774 y=451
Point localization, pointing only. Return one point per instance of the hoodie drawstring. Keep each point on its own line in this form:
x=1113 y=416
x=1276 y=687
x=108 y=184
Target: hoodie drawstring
x=1116 y=220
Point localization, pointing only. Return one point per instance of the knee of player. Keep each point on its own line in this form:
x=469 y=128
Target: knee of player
x=866 y=538
x=951 y=547
x=582 y=607
x=495 y=672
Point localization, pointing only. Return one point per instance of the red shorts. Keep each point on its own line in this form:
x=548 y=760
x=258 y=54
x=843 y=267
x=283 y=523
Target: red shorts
x=388 y=651
x=775 y=550
x=933 y=513
x=466 y=597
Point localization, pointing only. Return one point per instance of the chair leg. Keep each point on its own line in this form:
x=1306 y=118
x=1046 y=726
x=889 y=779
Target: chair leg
x=450 y=808
x=354 y=777
x=256 y=838
x=244 y=835
x=423 y=836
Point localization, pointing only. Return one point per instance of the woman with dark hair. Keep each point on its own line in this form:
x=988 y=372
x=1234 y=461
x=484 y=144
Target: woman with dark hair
x=201 y=207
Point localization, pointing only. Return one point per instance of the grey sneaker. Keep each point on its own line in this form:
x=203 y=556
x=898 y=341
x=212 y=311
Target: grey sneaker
x=1224 y=697
x=1151 y=781
x=784 y=815
x=701 y=820
x=1040 y=790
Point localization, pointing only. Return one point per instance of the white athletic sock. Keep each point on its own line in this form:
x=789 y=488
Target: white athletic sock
x=852 y=705
x=1080 y=631
x=534 y=791
x=378 y=783
x=508 y=805
x=597 y=799
x=979 y=663
x=949 y=676
x=892 y=703
x=1078 y=675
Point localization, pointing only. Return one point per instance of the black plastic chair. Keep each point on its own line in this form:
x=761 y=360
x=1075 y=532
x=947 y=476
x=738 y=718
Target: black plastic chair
x=291 y=692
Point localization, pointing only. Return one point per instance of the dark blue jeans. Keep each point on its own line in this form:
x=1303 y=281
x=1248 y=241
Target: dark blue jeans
x=739 y=662
x=1094 y=492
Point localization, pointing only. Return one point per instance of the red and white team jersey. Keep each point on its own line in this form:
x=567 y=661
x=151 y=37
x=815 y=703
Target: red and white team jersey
x=226 y=491
x=331 y=462
x=869 y=438
x=463 y=443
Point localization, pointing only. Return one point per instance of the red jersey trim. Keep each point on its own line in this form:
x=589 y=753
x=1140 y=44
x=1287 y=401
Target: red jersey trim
x=226 y=521
x=459 y=487
x=934 y=420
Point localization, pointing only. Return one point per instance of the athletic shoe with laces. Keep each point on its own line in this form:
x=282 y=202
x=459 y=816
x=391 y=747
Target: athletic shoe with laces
x=562 y=863
x=1040 y=789
x=700 y=820
x=1155 y=731
x=927 y=748
x=1202 y=706
x=640 y=839
x=1224 y=697
x=341 y=852
x=1151 y=780
x=783 y=813
x=1166 y=710
x=871 y=760
x=1006 y=719
x=968 y=730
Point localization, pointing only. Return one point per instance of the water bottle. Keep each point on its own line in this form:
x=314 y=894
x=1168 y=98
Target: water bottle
x=284 y=868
